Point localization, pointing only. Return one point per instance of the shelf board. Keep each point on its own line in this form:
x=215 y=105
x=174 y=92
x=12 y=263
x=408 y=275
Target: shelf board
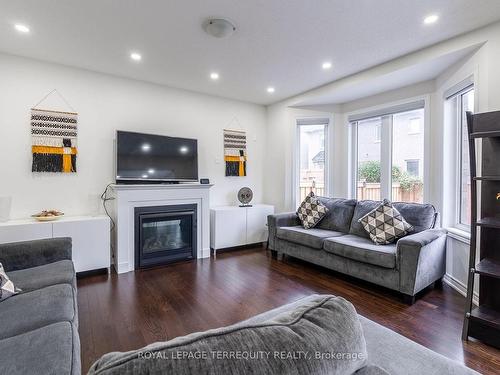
x=487 y=178
x=490 y=134
x=491 y=222
x=486 y=315
x=489 y=267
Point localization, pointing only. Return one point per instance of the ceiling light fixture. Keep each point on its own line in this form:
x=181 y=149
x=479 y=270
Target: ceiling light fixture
x=214 y=76
x=431 y=19
x=270 y=90
x=22 y=28
x=219 y=27
x=136 y=56
x=326 y=65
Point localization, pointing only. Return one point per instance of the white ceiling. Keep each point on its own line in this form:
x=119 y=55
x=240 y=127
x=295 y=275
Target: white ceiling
x=280 y=43
x=419 y=71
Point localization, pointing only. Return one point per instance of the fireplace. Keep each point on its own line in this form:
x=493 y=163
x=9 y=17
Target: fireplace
x=164 y=234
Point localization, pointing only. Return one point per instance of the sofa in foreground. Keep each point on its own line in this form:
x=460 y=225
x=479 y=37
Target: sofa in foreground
x=39 y=325
x=319 y=334
x=339 y=242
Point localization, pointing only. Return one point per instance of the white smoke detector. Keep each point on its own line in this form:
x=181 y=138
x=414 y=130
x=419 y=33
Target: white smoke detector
x=219 y=27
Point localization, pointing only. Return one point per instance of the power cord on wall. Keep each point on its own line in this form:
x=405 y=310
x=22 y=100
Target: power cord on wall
x=105 y=199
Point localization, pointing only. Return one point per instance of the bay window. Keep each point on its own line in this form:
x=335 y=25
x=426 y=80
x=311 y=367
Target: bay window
x=312 y=157
x=389 y=153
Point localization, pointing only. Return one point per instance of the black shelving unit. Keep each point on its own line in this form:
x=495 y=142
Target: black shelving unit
x=483 y=321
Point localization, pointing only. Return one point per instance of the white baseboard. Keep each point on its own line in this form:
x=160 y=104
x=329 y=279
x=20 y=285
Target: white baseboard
x=460 y=287
x=205 y=253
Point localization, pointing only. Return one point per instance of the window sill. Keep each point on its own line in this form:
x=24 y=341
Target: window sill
x=459 y=235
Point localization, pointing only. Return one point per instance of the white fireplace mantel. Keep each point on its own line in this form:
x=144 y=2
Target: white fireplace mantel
x=128 y=197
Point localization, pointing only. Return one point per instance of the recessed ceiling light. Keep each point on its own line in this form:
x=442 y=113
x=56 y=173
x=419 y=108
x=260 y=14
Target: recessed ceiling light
x=214 y=76
x=22 y=28
x=151 y=171
x=431 y=19
x=145 y=176
x=183 y=150
x=136 y=56
x=326 y=65
x=270 y=90
x=146 y=147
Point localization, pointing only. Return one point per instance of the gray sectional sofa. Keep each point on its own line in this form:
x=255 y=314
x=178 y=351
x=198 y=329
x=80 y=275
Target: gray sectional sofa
x=319 y=334
x=339 y=242
x=39 y=326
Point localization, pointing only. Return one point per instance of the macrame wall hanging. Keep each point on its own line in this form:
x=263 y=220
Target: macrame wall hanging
x=235 y=152
x=53 y=135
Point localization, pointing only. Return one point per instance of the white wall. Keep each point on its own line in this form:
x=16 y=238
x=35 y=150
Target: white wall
x=105 y=104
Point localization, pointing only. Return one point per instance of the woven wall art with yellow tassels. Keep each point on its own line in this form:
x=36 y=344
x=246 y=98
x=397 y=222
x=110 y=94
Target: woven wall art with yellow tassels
x=235 y=152
x=53 y=135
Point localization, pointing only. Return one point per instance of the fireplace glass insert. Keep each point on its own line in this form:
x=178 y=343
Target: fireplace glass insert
x=164 y=234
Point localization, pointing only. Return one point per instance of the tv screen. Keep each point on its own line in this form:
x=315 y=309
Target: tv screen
x=143 y=158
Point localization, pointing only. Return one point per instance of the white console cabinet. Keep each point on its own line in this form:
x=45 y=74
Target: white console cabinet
x=90 y=237
x=232 y=226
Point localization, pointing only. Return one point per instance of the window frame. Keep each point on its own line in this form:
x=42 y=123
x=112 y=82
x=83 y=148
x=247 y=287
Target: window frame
x=386 y=159
x=458 y=149
x=296 y=152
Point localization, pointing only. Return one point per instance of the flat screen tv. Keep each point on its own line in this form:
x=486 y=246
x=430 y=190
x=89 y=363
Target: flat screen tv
x=146 y=158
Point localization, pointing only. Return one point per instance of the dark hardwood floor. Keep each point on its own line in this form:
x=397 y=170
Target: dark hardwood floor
x=128 y=311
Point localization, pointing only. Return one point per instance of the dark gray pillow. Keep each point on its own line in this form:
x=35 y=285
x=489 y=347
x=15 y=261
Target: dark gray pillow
x=322 y=328
x=420 y=216
x=339 y=215
x=362 y=208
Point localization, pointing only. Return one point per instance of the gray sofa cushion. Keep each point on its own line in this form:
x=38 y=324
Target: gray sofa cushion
x=420 y=216
x=339 y=215
x=362 y=250
x=26 y=254
x=371 y=370
x=37 y=308
x=362 y=208
x=53 y=349
x=387 y=349
x=61 y=272
x=398 y=355
x=324 y=324
x=308 y=237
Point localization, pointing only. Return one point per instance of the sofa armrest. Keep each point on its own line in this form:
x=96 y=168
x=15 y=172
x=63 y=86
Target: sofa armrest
x=421 y=259
x=19 y=255
x=287 y=219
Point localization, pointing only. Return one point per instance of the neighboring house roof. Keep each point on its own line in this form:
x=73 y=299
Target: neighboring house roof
x=319 y=157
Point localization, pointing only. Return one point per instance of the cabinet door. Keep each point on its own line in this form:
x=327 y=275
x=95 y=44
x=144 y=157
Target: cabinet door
x=90 y=238
x=25 y=232
x=229 y=228
x=256 y=223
